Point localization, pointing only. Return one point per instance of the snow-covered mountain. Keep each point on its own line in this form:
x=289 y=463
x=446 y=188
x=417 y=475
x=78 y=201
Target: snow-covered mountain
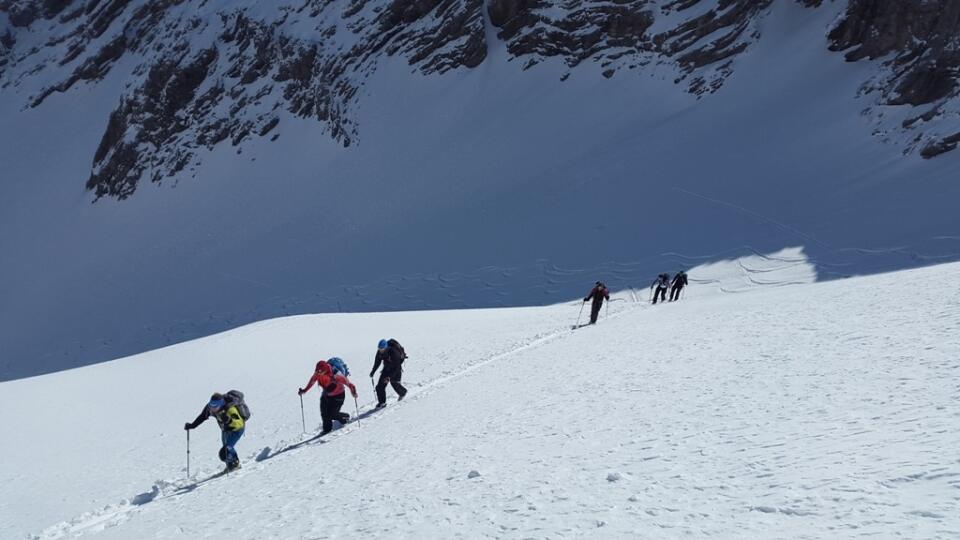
x=199 y=74
x=817 y=410
x=247 y=160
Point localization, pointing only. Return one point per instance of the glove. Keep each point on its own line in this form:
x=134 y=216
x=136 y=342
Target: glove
x=299 y=391
x=187 y=426
x=372 y=373
x=585 y=299
x=355 y=396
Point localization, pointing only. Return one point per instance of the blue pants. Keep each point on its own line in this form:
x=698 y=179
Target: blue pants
x=230 y=438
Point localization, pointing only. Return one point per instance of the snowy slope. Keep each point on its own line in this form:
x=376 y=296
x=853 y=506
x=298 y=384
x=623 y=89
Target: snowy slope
x=817 y=410
x=486 y=187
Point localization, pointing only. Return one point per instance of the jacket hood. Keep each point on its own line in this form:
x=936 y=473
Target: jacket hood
x=323 y=366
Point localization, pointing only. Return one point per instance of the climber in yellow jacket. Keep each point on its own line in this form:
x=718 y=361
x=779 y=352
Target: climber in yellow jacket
x=228 y=413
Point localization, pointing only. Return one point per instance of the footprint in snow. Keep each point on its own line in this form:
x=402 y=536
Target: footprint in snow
x=144 y=498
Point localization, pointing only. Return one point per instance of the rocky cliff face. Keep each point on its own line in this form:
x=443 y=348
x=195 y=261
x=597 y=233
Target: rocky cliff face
x=622 y=35
x=919 y=43
x=7 y=43
x=203 y=73
x=206 y=74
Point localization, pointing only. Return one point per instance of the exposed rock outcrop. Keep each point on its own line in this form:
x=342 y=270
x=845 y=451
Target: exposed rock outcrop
x=620 y=34
x=7 y=41
x=919 y=42
x=191 y=92
x=205 y=74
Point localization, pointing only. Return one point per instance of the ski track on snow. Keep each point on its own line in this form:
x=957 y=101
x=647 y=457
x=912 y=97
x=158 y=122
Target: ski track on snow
x=723 y=445
x=116 y=514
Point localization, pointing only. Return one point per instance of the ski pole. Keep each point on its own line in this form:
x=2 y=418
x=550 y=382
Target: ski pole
x=357 y=406
x=373 y=385
x=607 y=312
x=303 y=418
x=188 y=454
x=579 y=314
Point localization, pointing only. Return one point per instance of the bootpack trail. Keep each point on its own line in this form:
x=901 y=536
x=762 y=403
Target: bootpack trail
x=434 y=335
x=821 y=407
x=168 y=489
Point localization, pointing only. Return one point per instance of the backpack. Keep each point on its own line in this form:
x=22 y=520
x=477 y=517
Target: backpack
x=235 y=398
x=395 y=343
x=339 y=366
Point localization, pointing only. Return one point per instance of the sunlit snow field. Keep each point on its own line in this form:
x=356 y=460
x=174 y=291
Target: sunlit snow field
x=790 y=409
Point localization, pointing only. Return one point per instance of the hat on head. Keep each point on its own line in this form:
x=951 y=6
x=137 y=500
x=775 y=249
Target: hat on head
x=216 y=401
x=382 y=344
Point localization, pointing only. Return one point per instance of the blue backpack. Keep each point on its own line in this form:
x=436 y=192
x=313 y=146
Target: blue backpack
x=339 y=366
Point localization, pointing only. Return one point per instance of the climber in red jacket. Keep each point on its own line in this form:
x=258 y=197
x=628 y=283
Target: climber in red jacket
x=333 y=394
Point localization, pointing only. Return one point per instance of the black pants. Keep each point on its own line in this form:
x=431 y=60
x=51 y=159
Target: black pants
x=675 y=292
x=330 y=410
x=595 y=311
x=661 y=292
x=393 y=377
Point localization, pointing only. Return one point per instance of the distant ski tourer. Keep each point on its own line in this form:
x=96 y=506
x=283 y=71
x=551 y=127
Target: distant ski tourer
x=598 y=294
x=662 y=283
x=391 y=354
x=679 y=282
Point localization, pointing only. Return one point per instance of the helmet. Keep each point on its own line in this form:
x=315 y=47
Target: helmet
x=382 y=344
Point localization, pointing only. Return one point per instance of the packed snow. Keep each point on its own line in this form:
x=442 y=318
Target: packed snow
x=791 y=409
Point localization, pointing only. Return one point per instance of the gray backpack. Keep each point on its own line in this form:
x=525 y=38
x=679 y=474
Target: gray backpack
x=235 y=398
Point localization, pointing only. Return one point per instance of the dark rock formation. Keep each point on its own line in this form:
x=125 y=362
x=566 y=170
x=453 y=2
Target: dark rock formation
x=919 y=41
x=618 y=34
x=731 y=19
x=24 y=12
x=206 y=75
x=7 y=41
x=192 y=94
x=584 y=30
x=940 y=146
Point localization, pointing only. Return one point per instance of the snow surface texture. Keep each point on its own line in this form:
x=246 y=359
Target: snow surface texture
x=821 y=410
x=478 y=188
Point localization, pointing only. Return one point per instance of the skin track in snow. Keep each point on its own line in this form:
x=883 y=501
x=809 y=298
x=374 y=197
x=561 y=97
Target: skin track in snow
x=824 y=408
